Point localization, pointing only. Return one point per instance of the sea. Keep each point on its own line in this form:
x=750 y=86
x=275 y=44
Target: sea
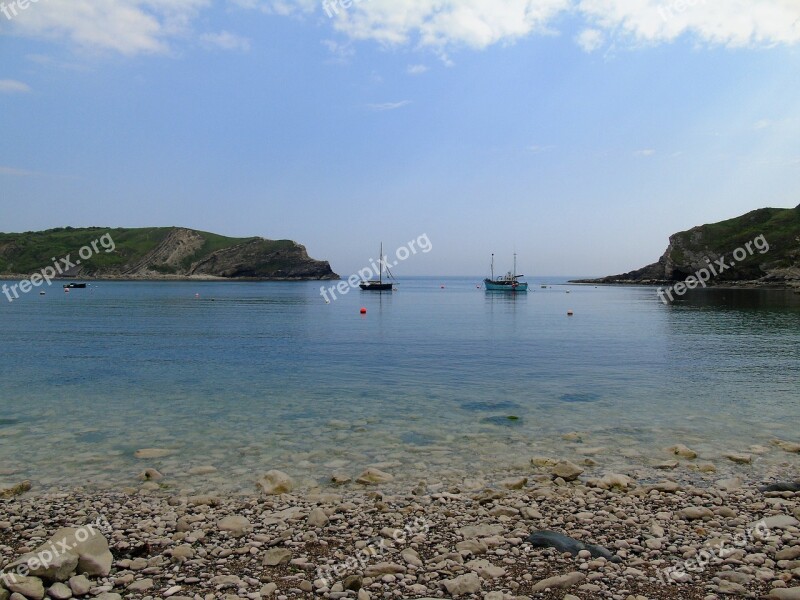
x=439 y=382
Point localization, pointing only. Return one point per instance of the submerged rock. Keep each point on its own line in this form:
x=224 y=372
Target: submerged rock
x=274 y=483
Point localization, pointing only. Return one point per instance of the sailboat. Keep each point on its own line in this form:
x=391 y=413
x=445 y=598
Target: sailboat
x=506 y=283
x=378 y=285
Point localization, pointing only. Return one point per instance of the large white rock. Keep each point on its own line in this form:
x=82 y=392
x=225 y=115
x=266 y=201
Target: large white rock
x=559 y=582
x=275 y=482
x=236 y=525
x=465 y=584
x=566 y=470
x=30 y=587
x=374 y=476
x=83 y=549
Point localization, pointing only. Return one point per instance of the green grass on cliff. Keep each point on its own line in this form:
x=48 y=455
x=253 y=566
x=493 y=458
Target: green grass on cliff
x=780 y=227
x=30 y=251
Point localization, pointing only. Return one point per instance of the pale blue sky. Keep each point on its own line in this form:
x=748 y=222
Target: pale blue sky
x=581 y=133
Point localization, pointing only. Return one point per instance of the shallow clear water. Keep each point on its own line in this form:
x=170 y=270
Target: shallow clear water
x=253 y=376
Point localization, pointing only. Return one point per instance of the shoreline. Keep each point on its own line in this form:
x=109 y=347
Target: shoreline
x=420 y=542
x=728 y=285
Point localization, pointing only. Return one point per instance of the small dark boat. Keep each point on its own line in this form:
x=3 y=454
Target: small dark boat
x=378 y=285
x=78 y=286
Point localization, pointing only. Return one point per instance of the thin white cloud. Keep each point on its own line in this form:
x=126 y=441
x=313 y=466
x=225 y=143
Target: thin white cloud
x=226 y=41
x=416 y=69
x=537 y=149
x=762 y=124
x=13 y=172
x=127 y=27
x=133 y=27
x=10 y=86
x=646 y=152
x=713 y=22
x=388 y=105
x=590 y=40
x=341 y=52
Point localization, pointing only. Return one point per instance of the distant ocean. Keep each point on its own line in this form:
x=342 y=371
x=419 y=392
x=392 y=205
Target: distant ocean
x=249 y=377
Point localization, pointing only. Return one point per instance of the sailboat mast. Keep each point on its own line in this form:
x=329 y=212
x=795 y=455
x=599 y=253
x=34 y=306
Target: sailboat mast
x=515 y=265
x=492 y=266
x=380 y=265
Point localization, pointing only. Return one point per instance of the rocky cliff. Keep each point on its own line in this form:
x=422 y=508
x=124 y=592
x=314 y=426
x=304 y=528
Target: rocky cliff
x=759 y=248
x=157 y=253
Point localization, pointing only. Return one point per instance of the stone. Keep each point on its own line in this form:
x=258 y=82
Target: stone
x=317 y=518
x=15 y=490
x=140 y=585
x=787 y=446
x=731 y=588
x=611 y=481
x=485 y=569
x=339 y=478
x=543 y=461
x=474 y=547
x=80 y=585
x=480 y=530
x=516 y=483
x=150 y=475
x=274 y=483
x=559 y=582
x=268 y=590
x=790 y=553
x=59 y=591
x=411 y=557
x=785 y=593
x=566 y=470
x=777 y=522
x=277 y=556
x=202 y=470
x=353 y=583
x=89 y=556
x=150 y=453
x=462 y=585
x=682 y=451
x=741 y=459
x=384 y=568
x=734 y=483
x=30 y=587
x=374 y=476
x=667 y=465
x=695 y=513
x=236 y=525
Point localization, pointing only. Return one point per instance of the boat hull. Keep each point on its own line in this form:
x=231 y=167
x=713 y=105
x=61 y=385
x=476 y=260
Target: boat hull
x=376 y=287
x=504 y=286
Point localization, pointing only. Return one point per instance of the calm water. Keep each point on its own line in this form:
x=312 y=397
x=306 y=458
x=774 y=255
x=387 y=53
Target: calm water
x=253 y=376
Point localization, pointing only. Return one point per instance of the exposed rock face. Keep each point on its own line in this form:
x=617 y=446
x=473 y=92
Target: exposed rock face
x=771 y=259
x=159 y=253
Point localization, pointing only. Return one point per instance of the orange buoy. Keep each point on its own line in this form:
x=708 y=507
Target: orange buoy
x=363 y=310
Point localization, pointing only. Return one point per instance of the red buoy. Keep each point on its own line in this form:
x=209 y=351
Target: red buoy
x=363 y=310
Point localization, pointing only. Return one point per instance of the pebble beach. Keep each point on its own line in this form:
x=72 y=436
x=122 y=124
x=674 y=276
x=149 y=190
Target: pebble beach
x=672 y=535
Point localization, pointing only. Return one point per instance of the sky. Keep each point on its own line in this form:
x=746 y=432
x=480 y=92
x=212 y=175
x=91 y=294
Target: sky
x=579 y=134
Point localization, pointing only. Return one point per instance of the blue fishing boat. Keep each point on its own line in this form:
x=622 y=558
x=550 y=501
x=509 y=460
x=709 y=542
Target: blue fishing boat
x=506 y=283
